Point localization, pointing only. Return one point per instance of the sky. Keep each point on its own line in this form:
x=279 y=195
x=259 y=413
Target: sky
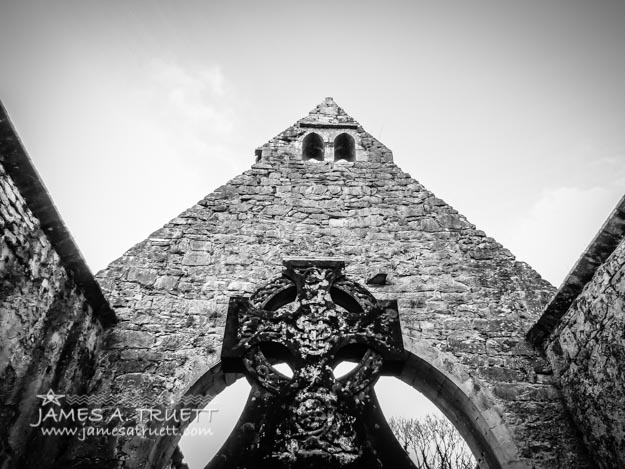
x=513 y=112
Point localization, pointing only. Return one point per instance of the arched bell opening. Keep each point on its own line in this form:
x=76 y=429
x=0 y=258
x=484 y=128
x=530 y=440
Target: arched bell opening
x=313 y=147
x=344 y=148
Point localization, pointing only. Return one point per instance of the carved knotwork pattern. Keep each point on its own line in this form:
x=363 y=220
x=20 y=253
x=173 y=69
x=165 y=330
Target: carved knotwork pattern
x=311 y=318
x=260 y=297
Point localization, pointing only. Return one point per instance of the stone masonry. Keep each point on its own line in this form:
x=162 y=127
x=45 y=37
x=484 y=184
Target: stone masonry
x=463 y=299
x=51 y=310
x=587 y=345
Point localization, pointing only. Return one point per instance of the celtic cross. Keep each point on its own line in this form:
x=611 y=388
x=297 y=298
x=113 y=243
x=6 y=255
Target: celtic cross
x=312 y=318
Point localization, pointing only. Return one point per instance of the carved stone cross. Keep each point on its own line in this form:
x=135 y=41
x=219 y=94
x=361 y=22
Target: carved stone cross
x=312 y=318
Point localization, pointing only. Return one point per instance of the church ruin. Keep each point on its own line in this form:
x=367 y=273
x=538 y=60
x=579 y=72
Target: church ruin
x=530 y=376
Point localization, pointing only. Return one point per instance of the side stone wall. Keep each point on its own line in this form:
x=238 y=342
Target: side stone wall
x=458 y=290
x=50 y=316
x=49 y=336
x=587 y=350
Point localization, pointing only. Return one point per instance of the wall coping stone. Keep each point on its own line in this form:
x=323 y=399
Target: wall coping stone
x=20 y=168
x=600 y=248
x=317 y=125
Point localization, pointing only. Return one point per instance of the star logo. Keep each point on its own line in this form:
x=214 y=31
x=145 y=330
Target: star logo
x=50 y=398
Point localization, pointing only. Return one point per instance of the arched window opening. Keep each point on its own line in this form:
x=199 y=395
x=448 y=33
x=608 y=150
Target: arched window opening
x=429 y=438
x=344 y=148
x=312 y=147
x=213 y=424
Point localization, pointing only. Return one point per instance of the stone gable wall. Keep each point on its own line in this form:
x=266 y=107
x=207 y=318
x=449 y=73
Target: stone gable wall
x=459 y=292
x=587 y=350
x=49 y=337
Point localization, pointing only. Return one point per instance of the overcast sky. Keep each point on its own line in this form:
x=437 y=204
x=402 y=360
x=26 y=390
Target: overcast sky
x=513 y=112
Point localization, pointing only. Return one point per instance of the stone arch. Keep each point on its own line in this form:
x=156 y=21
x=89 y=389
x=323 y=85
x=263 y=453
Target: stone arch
x=313 y=147
x=210 y=383
x=437 y=375
x=465 y=402
x=344 y=147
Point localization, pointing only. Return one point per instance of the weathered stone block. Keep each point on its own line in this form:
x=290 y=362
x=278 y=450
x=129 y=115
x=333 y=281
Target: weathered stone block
x=166 y=282
x=197 y=258
x=130 y=339
x=143 y=276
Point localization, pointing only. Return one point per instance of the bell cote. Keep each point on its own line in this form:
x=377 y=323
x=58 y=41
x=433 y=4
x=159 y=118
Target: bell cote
x=327 y=134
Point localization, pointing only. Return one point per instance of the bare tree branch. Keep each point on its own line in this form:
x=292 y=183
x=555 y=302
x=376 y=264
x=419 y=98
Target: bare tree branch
x=433 y=443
